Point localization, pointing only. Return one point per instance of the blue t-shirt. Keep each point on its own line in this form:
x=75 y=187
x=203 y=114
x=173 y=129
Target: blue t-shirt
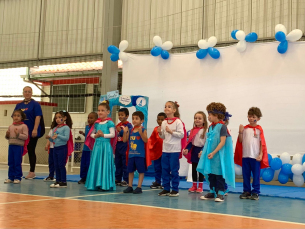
x=136 y=145
x=87 y=128
x=31 y=110
x=63 y=135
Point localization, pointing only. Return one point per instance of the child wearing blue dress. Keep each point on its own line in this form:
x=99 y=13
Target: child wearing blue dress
x=101 y=173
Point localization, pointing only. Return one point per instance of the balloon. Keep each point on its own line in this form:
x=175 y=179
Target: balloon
x=212 y=41
x=283 y=178
x=290 y=176
x=164 y=54
x=241 y=46
x=294 y=35
x=268 y=175
x=214 y=53
x=303 y=166
x=123 y=56
x=283 y=46
x=304 y=175
x=280 y=27
x=303 y=159
x=285 y=157
x=114 y=57
x=203 y=44
x=113 y=49
x=156 y=51
x=167 y=45
x=238 y=170
x=201 y=53
x=286 y=169
x=262 y=171
x=269 y=158
x=233 y=34
x=240 y=35
x=251 y=37
x=157 y=41
x=276 y=163
x=298 y=180
x=123 y=45
x=280 y=36
x=297 y=169
x=297 y=159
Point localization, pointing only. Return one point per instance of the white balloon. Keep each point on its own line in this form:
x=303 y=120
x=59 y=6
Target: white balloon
x=285 y=157
x=123 y=45
x=298 y=180
x=212 y=41
x=203 y=44
x=304 y=166
x=123 y=56
x=238 y=170
x=297 y=169
x=297 y=159
x=241 y=46
x=240 y=35
x=167 y=45
x=157 y=41
x=294 y=35
x=280 y=27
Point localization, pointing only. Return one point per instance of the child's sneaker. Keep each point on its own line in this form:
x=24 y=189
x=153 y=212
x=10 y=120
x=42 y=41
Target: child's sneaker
x=17 y=181
x=164 y=193
x=137 y=191
x=62 y=185
x=254 y=196
x=117 y=183
x=81 y=181
x=219 y=198
x=124 y=184
x=128 y=190
x=174 y=193
x=55 y=185
x=208 y=196
x=30 y=176
x=156 y=185
x=7 y=181
x=245 y=195
x=49 y=179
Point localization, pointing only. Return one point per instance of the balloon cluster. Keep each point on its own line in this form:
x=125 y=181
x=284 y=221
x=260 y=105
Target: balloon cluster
x=118 y=53
x=241 y=36
x=208 y=47
x=161 y=48
x=282 y=169
x=280 y=35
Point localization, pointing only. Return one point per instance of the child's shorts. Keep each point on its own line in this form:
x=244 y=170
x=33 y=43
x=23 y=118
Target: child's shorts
x=136 y=163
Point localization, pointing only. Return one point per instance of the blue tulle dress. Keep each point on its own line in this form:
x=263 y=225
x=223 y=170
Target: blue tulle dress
x=101 y=170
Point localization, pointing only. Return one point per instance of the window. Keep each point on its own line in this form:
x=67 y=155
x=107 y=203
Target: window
x=96 y=97
x=70 y=104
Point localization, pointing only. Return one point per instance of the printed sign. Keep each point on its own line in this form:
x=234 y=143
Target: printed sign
x=141 y=102
x=125 y=99
x=112 y=94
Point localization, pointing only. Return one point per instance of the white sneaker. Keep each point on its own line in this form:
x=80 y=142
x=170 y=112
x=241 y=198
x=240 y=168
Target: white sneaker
x=17 y=181
x=55 y=185
x=30 y=176
x=6 y=181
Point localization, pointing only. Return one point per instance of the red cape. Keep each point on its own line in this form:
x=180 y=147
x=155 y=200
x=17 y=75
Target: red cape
x=238 y=156
x=193 y=133
x=26 y=142
x=154 y=145
x=147 y=154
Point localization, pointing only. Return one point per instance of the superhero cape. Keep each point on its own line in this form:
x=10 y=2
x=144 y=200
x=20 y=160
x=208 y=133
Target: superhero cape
x=183 y=140
x=147 y=154
x=239 y=149
x=69 y=143
x=193 y=133
x=154 y=145
x=90 y=141
x=116 y=141
x=26 y=142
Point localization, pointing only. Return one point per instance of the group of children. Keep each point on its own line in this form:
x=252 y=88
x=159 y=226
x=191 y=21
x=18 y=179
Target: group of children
x=209 y=149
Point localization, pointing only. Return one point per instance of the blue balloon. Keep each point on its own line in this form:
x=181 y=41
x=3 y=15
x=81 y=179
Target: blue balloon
x=233 y=34
x=251 y=37
x=280 y=36
x=282 y=48
x=303 y=159
x=269 y=159
x=291 y=176
x=268 y=175
x=201 y=53
x=114 y=57
x=164 y=54
x=304 y=175
x=214 y=53
x=156 y=51
x=283 y=178
x=262 y=171
x=276 y=163
x=113 y=50
x=286 y=169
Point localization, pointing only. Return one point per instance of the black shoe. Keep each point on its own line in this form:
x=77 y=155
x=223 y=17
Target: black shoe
x=137 y=191
x=82 y=181
x=174 y=193
x=49 y=179
x=164 y=193
x=208 y=196
x=254 y=196
x=117 y=183
x=62 y=184
x=128 y=190
x=124 y=184
x=245 y=195
x=219 y=198
x=156 y=185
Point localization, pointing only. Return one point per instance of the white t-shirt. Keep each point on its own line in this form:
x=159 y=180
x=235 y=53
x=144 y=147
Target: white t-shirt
x=51 y=134
x=197 y=140
x=172 y=142
x=251 y=144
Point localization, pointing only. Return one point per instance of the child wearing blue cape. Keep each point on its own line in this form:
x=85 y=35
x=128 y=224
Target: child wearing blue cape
x=216 y=159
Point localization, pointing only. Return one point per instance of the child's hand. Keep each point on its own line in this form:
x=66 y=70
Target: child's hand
x=140 y=130
x=185 y=151
x=259 y=158
x=46 y=148
x=54 y=137
x=241 y=128
x=47 y=137
x=125 y=129
x=119 y=128
x=168 y=130
x=159 y=129
x=16 y=131
x=100 y=133
x=211 y=155
x=81 y=132
x=199 y=155
x=7 y=134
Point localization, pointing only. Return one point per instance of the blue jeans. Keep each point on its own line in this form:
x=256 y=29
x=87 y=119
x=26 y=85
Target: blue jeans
x=14 y=162
x=170 y=171
x=254 y=166
x=60 y=157
x=84 y=164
